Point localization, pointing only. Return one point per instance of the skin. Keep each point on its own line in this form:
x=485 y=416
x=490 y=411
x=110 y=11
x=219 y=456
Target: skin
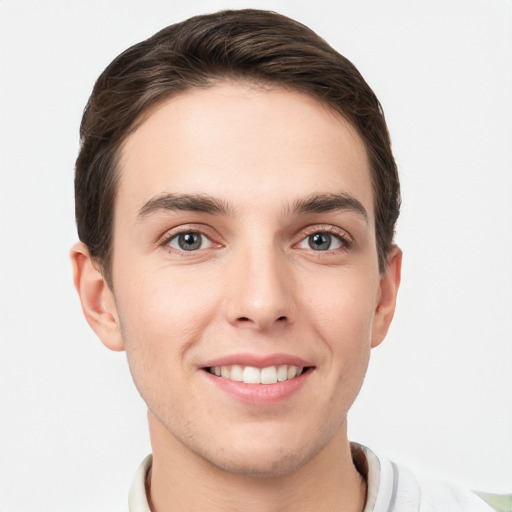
x=255 y=287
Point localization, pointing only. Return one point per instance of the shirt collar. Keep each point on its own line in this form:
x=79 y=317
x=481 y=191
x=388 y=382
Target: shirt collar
x=137 y=500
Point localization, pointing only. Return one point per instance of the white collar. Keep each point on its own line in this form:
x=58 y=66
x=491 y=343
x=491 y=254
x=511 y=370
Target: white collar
x=137 y=499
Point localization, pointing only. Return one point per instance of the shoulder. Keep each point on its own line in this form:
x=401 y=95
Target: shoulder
x=438 y=496
x=393 y=488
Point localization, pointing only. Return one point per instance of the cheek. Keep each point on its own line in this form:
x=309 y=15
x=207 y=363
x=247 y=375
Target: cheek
x=161 y=316
x=163 y=304
x=343 y=311
x=343 y=305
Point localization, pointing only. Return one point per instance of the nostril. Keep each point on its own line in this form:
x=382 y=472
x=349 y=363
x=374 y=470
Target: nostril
x=246 y=319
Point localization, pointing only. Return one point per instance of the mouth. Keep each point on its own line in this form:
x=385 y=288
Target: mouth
x=254 y=375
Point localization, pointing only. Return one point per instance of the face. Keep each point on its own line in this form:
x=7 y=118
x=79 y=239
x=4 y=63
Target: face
x=245 y=246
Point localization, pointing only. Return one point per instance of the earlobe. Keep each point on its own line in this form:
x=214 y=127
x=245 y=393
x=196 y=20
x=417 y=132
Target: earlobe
x=98 y=304
x=388 y=291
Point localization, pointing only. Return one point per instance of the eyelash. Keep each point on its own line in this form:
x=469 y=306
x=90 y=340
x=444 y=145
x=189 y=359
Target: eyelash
x=346 y=240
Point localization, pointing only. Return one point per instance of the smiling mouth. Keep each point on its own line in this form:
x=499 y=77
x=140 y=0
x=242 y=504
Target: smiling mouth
x=253 y=375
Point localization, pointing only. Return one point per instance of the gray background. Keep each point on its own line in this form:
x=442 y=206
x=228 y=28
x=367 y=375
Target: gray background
x=438 y=394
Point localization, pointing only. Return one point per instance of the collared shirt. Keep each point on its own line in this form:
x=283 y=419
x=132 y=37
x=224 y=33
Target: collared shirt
x=390 y=488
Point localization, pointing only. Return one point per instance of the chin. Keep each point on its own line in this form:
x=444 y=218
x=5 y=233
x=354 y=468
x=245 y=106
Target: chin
x=271 y=466
x=268 y=458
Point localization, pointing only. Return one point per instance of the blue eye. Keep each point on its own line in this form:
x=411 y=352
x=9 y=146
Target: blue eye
x=190 y=241
x=321 y=241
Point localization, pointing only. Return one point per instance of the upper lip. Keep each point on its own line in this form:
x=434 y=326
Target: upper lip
x=257 y=360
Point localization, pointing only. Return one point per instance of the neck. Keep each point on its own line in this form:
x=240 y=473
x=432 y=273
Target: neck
x=182 y=480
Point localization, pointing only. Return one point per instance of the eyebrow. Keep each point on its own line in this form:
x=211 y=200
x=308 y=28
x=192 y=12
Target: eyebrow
x=319 y=203
x=185 y=202
x=312 y=203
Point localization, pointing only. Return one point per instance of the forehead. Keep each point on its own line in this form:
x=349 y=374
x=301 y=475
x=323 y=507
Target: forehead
x=246 y=144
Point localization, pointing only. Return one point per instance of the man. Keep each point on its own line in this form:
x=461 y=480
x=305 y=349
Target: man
x=236 y=198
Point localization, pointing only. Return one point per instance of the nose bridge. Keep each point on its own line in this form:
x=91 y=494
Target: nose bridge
x=260 y=286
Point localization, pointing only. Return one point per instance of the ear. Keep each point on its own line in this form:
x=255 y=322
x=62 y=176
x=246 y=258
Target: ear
x=97 y=299
x=388 y=291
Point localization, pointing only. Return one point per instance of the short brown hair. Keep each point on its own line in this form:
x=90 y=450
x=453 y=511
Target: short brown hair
x=240 y=45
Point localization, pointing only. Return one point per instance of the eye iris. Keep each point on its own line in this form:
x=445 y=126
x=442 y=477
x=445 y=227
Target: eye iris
x=320 y=241
x=189 y=241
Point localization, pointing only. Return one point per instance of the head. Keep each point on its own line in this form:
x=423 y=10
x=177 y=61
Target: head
x=236 y=197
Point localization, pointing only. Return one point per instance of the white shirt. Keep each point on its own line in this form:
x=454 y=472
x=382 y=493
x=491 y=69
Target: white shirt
x=390 y=489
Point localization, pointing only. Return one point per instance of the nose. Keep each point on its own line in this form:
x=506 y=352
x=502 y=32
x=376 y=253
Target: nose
x=259 y=291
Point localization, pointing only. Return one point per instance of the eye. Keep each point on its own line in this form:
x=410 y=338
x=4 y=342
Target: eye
x=189 y=241
x=321 y=241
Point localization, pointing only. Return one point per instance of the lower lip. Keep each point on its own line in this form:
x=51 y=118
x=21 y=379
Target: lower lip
x=259 y=393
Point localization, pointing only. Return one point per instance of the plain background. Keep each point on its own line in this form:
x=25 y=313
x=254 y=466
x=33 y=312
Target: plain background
x=438 y=394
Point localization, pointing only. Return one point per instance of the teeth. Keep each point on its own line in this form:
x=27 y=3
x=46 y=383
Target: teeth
x=237 y=373
x=282 y=373
x=269 y=375
x=253 y=375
